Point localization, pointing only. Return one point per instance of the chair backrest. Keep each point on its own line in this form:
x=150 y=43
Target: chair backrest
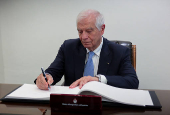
x=132 y=50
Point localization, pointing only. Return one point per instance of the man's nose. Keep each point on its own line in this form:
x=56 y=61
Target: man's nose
x=84 y=35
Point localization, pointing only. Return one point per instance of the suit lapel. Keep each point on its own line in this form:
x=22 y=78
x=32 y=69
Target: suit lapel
x=104 y=61
x=79 y=59
x=105 y=58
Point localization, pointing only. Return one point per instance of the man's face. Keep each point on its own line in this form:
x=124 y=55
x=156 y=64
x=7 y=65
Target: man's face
x=89 y=35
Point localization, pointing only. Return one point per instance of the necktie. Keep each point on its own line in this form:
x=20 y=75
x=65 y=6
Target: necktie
x=89 y=67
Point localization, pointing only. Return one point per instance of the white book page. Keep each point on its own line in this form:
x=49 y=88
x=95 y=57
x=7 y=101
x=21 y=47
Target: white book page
x=110 y=93
x=126 y=96
x=31 y=91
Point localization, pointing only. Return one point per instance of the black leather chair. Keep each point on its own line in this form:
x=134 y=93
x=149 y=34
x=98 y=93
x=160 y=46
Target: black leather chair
x=132 y=49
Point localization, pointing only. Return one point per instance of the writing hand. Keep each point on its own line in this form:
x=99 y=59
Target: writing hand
x=41 y=82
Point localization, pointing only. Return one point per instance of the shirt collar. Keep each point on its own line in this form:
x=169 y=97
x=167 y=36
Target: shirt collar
x=98 y=49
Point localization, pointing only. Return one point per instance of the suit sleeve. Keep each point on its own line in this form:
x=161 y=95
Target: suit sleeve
x=126 y=76
x=56 y=69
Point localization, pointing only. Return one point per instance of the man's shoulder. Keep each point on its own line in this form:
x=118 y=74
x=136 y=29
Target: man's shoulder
x=72 y=41
x=114 y=46
x=116 y=49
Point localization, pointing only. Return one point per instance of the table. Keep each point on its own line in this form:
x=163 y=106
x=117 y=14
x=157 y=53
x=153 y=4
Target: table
x=44 y=109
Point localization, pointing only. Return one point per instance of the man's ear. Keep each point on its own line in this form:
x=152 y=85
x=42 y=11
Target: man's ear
x=102 y=29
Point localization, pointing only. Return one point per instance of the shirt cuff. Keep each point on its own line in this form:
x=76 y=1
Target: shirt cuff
x=103 y=79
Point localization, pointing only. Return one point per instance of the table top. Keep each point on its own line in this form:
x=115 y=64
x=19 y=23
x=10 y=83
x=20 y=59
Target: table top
x=36 y=109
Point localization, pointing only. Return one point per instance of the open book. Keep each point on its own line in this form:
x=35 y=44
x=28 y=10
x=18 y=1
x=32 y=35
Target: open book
x=108 y=93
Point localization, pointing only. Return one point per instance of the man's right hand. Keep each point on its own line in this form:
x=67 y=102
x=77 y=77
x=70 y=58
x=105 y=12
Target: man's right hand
x=41 y=83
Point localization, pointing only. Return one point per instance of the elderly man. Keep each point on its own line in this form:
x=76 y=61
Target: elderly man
x=91 y=57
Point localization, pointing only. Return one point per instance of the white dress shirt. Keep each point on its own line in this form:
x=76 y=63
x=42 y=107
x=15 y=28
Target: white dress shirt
x=95 y=59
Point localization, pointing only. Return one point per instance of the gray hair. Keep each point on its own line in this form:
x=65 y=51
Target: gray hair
x=88 y=13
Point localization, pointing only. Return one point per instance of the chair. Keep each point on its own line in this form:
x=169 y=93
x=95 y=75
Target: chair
x=132 y=49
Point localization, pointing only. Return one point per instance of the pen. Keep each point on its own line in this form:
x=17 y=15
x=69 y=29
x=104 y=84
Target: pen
x=43 y=72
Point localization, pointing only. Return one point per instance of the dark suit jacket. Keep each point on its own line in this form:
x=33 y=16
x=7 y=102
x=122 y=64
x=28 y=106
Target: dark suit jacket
x=114 y=63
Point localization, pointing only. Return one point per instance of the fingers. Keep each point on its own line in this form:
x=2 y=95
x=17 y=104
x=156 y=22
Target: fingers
x=81 y=82
x=74 y=84
x=41 y=83
x=50 y=79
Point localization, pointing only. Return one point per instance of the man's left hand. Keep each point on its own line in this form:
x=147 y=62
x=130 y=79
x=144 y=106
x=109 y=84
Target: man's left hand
x=82 y=81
